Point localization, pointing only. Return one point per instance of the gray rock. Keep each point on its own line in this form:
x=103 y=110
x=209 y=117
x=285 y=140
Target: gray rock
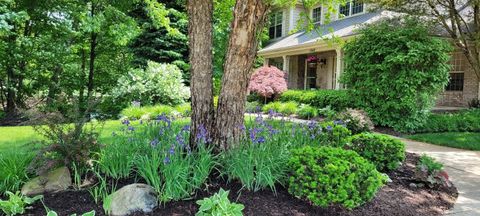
x=133 y=198
x=413 y=185
x=54 y=181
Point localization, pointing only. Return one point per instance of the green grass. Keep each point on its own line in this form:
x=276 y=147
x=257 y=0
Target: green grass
x=461 y=140
x=24 y=137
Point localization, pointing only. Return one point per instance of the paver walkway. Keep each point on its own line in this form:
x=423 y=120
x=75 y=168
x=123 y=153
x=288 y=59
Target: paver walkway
x=463 y=168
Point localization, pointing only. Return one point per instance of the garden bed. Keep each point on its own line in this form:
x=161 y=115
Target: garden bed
x=396 y=198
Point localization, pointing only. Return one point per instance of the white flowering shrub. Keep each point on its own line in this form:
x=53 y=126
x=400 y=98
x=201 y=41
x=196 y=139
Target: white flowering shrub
x=157 y=84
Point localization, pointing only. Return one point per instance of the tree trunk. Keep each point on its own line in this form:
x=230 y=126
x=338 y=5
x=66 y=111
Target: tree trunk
x=249 y=19
x=11 y=92
x=91 y=72
x=200 y=29
x=53 y=86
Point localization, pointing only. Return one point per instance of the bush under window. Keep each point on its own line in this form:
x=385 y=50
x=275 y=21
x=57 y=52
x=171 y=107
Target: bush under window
x=395 y=69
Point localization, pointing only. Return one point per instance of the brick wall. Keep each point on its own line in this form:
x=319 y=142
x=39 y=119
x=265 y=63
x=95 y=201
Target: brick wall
x=470 y=87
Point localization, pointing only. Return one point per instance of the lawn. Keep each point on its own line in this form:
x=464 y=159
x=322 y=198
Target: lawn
x=24 y=137
x=462 y=140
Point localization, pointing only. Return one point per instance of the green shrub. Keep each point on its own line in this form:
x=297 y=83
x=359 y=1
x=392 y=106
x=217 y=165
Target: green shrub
x=17 y=203
x=185 y=110
x=288 y=108
x=356 y=121
x=337 y=99
x=219 y=204
x=151 y=112
x=158 y=83
x=333 y=134
x=395 y=70
x=385 y=152
x=307 y=111
x=327 y=176
x=274 y=106
x=464 y=121
x=253 y=107
x=70 y=145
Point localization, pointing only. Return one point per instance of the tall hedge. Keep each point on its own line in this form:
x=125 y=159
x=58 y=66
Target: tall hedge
x=395 y=69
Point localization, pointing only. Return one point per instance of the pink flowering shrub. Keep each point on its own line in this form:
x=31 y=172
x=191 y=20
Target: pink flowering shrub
x=268 y=81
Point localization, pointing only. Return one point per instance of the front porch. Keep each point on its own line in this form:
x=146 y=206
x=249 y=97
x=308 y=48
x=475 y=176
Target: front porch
x=323 y=73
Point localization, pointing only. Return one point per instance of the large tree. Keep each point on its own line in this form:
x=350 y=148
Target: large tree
x=249 y=18
x=460 y=19
x=201 y=57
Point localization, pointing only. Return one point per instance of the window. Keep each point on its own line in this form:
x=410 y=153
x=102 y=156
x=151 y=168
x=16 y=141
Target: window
x=456 y=82
x=276 y=20
x=351 y=8
x=457 y=74
x=317 y=14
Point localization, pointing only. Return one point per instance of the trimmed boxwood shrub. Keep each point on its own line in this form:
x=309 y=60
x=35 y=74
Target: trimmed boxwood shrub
x=337 y=99
x=464 y=121
x=385 y=152
x=327 y=176
x=395 y=70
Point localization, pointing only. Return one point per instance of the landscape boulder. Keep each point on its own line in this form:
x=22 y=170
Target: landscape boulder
x=133 y=198
x=53 y=181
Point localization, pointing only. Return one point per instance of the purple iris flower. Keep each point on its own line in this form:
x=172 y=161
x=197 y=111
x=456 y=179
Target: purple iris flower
x=154 y=142
x=126 y=122
x=131 y=128
x=172 y=150
x=271 y=113
x=202 y=134
x=165 y=119
x=186 y=128
x=166 y=160
x=260 y=140
x=329 y=128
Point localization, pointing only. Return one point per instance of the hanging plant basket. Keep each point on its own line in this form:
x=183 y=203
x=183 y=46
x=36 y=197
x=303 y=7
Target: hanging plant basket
x=312 y=64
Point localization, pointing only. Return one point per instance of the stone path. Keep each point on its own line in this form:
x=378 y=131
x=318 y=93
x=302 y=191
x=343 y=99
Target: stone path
x=463 y=168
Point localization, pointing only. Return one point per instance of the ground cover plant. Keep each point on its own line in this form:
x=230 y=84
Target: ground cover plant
x=395 y=73
x=149 y=112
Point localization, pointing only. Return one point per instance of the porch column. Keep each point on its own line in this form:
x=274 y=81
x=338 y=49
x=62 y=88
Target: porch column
x=339 y=68
x=266 y=62
x=286 y=66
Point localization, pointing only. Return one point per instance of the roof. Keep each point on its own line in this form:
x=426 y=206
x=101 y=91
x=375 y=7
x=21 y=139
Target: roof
x=339 y=28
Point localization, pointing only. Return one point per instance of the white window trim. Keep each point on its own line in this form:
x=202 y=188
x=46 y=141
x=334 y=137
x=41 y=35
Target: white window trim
x=321 y=14
x=283 y=24
x=350 y=11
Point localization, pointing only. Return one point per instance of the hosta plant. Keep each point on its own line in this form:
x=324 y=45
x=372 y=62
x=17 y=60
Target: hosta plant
x=17 y=203
x=219 y=205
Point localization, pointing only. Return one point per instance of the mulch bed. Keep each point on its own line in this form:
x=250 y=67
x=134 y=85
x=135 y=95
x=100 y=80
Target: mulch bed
x=396 y=198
